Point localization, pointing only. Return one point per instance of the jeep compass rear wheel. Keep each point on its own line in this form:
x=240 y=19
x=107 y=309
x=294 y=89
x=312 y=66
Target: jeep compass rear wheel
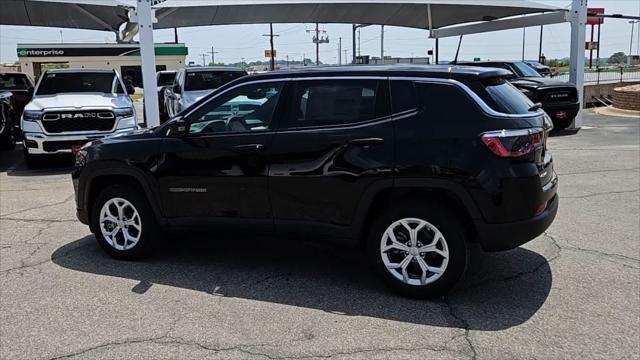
x=419 y=251
x=123 y=222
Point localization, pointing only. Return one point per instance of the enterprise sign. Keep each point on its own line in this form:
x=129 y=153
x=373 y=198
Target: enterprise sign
x=97 y=51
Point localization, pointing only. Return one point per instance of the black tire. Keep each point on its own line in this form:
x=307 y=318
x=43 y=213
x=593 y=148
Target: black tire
x=32 y=161
x=562 y=124
x=447 y=222
x=7 y=137
x=149 y=234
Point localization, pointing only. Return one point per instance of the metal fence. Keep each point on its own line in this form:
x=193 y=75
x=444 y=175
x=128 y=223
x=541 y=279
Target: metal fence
x=606 y=75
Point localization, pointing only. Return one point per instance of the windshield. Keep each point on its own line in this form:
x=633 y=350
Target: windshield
x=87 y=82
x=209 y=80
x=507 y=97
x=13 y=82
x=166 y=79
x=526 y=70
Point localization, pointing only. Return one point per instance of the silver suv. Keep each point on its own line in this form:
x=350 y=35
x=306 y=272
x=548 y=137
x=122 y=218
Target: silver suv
x=73 y=106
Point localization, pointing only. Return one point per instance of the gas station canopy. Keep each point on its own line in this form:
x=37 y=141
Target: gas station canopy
x=424 y=14
x=106 y=15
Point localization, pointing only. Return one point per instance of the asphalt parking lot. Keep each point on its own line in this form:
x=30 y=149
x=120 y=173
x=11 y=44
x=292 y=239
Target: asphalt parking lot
x=572 y=293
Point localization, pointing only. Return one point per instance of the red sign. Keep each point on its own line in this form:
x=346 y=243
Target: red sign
x=594 y=20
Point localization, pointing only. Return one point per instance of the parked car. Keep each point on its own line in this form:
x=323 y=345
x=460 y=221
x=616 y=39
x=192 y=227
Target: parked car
x=541 y=69
x=164 y=79
x=8 y=120
x=194 y=83
x=559 y=99
x=73 y=106
x=416 y=163
x=20 y=85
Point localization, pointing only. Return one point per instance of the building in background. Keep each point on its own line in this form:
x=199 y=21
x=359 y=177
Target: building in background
x=125 y=58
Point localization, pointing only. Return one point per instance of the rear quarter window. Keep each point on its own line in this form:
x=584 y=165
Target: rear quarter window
x=506 y=98
x=446 y=102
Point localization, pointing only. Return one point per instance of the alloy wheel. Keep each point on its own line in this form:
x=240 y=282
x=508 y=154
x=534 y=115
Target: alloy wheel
x=120 y=224
x=414 y=251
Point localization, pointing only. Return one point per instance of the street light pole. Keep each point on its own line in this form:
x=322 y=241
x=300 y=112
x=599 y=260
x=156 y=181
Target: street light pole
x=633 y=23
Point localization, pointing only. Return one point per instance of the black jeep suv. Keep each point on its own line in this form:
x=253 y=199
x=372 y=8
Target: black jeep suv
x=414 y=163
x=559 y=99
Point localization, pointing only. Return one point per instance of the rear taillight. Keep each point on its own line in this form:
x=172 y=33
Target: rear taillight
x=513 y=143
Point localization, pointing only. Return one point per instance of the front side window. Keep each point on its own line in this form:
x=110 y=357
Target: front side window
x=166 y=79
x=247 y=108
x=81 y=82
x=13 y=82
x=337 y=102
x=209 y=80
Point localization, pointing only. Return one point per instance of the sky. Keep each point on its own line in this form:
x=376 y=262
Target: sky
x=236 y=42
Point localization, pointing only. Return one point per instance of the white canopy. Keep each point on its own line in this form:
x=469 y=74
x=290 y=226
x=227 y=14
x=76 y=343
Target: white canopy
x=105 y=15
x=424 y=14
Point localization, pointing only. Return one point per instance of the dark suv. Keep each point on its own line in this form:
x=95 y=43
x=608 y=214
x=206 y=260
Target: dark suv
x=414 y=163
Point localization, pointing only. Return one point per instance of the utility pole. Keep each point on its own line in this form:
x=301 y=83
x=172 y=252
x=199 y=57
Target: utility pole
x=62 y=39
x=317 y=39
x=272 y=61
x=345 y=55
x=213 y=56
x=203 y=59
x=382 y=44
x=340 y=51
x=287 y=61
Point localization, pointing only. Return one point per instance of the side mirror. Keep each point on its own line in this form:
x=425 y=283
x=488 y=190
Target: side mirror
x=130 y=89
x=177 y=88
x=180 y=127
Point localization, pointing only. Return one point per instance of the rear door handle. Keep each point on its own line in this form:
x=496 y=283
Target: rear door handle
x=366 y=142
x=248 y=148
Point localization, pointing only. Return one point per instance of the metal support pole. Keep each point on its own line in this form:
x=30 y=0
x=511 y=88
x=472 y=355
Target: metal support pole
x=317 y=45
x=578 y=20
x=524 y=35
x=591 y=49
x=353 y=40
x=145 y=18
x=540 y=47
x=381 y=44
x=437 y=50
x=340 y=51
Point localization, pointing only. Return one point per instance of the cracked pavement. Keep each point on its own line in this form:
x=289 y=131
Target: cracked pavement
x=574 y=292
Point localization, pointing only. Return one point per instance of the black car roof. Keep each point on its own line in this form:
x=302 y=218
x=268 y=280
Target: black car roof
x=461 y=73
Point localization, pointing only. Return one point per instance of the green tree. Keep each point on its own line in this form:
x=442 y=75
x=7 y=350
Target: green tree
x=618 y=58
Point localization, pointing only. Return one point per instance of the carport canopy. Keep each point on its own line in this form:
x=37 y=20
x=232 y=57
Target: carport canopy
x=106 y=15
x=150 y=14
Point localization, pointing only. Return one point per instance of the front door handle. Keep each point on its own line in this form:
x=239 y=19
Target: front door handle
x=364 y=142
x=248 y=148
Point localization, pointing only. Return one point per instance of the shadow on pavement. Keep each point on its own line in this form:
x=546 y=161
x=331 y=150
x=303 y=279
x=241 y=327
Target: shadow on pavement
x=311 y=275
x=564 y=132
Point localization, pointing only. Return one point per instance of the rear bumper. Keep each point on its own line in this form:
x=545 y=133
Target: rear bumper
x=506 y=236
x=570 y=111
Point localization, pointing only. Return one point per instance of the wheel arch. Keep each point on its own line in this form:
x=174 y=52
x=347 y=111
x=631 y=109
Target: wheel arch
x=378 y=198
x=99 y=179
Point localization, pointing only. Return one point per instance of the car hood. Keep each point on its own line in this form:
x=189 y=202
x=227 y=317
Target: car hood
x=191 y=97
x=537 y=82
x=79 y=101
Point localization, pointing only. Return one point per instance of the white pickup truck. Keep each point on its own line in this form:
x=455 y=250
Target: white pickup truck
x=71 y=107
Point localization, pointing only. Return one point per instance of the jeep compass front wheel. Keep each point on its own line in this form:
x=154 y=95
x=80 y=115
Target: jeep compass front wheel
x=123 y=222
x=419 y=250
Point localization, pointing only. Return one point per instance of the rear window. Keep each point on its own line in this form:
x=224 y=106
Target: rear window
x=80 y=82
x=507 y=97
x=13 y=82
x=166 y=79
x=209 y=80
